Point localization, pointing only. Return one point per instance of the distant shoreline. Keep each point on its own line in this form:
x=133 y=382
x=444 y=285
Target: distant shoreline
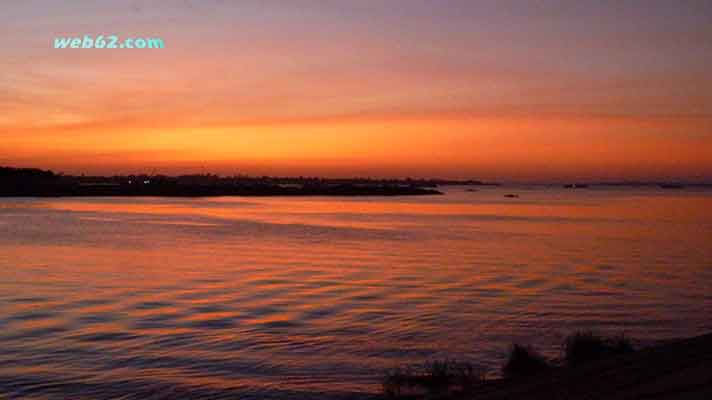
x=32 y=182
x=214 y=191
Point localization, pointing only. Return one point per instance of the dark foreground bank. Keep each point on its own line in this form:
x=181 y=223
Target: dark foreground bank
x=676 y=370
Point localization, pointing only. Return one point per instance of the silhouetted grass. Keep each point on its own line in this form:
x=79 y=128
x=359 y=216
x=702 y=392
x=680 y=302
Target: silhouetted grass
x=584 y=347
x=524 y=362
x=450 y=379
x=436 y=379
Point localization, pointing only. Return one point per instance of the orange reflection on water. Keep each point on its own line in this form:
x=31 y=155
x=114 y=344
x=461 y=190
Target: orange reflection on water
x=324 y=293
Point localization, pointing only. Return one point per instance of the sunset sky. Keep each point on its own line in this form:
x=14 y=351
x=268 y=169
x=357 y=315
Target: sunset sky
x=500 y=90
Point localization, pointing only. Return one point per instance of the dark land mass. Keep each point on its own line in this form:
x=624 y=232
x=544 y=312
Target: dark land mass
x=679 y=369
x=676 y=370
x=30 y=182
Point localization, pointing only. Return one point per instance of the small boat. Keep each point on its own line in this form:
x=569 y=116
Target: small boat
x=671 y=186
x=575 y=186
x=470 y=190
x=511 y=196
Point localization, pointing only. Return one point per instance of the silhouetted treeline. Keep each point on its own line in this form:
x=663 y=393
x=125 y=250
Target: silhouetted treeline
x=35 y=182
x=8 y=174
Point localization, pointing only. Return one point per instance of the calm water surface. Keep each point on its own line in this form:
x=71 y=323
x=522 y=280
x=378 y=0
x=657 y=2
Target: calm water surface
x=315 y=297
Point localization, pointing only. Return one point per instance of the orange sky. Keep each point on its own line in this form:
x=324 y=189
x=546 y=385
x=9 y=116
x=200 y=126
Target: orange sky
x=464 y=89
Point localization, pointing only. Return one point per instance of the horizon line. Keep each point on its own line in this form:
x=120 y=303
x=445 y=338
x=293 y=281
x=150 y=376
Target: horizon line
x=432 y=178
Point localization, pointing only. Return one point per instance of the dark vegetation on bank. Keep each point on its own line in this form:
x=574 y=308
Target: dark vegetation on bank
x=19 y=182
x=456 y=380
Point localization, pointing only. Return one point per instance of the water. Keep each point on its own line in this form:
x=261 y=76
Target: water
x=315 y=297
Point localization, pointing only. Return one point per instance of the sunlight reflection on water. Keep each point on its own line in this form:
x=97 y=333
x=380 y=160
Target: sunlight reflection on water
x=276 y=297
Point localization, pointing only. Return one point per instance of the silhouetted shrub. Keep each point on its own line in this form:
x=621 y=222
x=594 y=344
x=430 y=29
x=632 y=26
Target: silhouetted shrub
x=583 y=347
x=438 y=378
x=523 y=362
x=25 y=175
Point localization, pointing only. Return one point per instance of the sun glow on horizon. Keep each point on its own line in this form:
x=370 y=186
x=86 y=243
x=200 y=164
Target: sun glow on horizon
x=375 y=89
